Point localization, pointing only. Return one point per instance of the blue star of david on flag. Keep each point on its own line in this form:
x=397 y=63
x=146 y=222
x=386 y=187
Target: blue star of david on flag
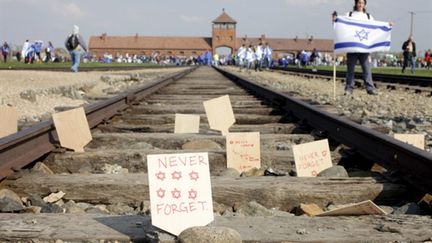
x=362 y=35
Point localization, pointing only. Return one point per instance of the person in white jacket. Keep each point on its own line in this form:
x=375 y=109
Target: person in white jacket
x=241 y=55
x=259 y=54
x=268 y=56
x=24 y=49
x=250 y=57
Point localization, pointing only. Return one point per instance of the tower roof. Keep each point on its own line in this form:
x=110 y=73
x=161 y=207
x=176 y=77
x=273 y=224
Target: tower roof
x=224 y=18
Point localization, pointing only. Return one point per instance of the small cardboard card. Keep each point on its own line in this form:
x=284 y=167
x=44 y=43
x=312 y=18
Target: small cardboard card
x=187 y=123
x=357 y=209
x=8 y=121
x=243 y=151
x=312 y=158
x=416 y=140
x=180 y=191
x=220 y=114
x=72 y=129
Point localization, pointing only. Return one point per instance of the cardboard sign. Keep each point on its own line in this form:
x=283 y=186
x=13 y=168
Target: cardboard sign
x=72 y=129
x=416 y=140
x=243 y=151
x=187 y=123
x=8 y=121
x=180 y=191
x=312 y=158
x=220 y=114
x=363 y=208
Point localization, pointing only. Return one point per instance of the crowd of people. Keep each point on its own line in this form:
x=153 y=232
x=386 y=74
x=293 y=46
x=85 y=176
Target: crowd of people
x=247 y=57
x=256 y=57
x=30 y=52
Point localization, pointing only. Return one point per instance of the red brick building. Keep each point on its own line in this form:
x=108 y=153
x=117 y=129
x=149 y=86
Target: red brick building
x=224 y=35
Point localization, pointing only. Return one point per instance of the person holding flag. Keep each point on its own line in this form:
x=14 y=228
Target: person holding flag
x=357 y=35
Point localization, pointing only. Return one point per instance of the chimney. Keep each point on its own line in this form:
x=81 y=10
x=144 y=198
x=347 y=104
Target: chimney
x=263 y=37
x=103 y=36
x=296 y=38
x=245 y=37
x=311 y=38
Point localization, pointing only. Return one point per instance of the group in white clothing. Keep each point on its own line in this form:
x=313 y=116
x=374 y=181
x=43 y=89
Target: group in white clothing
x=259 y=57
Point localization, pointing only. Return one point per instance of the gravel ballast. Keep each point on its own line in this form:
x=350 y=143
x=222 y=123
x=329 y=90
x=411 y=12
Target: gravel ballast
x=396 y=111
x=35 y=94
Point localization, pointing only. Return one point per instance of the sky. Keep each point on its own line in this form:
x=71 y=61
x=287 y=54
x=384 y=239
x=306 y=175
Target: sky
x=53 y=19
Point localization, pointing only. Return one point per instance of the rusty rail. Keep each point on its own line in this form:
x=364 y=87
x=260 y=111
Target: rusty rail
x=420 y=81
x=415 y=164
x=26 y=146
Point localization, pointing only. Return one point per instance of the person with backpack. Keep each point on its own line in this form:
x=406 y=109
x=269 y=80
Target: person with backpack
x=75 y=45
x=5 y=49
x=359 y=13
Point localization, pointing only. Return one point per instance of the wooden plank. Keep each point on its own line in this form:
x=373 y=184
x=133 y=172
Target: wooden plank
x=284 y=193
x=175 y=141
x=276 y=128
x=240 y=104
x=135 y=160
x=94 y=228
x=170 y=118
x=194 y=109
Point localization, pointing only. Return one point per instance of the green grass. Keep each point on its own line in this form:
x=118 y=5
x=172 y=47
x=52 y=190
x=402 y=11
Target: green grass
x=382 y=70
x=20 y=65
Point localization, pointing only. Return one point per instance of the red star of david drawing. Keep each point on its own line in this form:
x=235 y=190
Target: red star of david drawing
x=161 y=193
x=176 y=175
x=194 y=175
x=324 y=153
x=160 y=175
x=176 y=193
x=193 y=194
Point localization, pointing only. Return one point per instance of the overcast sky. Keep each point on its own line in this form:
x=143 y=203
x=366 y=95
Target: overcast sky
x=53 y=19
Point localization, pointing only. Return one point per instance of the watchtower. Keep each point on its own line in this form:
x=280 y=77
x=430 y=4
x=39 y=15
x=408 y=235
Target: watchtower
x=224 y=32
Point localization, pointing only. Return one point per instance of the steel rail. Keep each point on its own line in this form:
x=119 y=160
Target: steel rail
x=385 y=78
x=415 y=164
x=26 y=146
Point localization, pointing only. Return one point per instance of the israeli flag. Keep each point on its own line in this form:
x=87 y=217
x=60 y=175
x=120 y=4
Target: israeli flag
x=353 y=35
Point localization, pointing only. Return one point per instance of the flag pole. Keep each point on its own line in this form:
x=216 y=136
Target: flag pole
x=334 y=59
x=334 y=75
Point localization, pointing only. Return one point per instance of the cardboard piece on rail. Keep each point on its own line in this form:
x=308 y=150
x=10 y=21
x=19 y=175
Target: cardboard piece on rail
x=8 y=121
x=357 y=209
x=417 y=140
x=187 y=123
x=243 y=151
x=72 y=129
x=180 y=191
x=220 y=114
x=312 y=158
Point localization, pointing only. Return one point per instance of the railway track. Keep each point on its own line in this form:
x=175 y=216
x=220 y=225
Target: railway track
x=142 y=123
x=387 y=81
